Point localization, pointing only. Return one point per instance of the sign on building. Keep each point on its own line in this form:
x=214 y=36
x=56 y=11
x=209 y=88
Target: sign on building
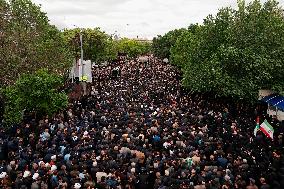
x=76 y=71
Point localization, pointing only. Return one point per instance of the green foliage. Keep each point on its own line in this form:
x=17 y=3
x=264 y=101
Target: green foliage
x=235 y=53
x=162 y=44
x=97 y=45
x=28 y=42
x=133 y=48
x=35 y=93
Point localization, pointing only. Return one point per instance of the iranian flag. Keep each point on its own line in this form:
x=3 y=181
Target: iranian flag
x=267 y=129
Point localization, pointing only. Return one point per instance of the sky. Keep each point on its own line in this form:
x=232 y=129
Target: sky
x=131 y=18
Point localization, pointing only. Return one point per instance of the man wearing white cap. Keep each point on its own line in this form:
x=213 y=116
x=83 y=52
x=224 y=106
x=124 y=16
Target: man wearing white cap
x=3 y=175
x=36 y=183
x=26 y=174
x=41 y=164
x=35 y=176
x=53 y=168
x=53 y=160
x=3 y=179
x=27 y=178
x=77 y=185
x=53 y=157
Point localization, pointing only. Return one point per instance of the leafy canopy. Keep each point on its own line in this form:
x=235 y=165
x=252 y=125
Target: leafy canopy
x=28 y=42
x=162 y=44
x=97 y=45
x=38 y=92
x=132 y=47
x=236 y=52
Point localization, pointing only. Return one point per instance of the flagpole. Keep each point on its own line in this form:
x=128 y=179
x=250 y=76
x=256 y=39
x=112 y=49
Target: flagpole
x=257 y=126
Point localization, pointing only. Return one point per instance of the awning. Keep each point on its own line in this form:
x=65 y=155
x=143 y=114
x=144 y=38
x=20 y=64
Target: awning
x=275 y=100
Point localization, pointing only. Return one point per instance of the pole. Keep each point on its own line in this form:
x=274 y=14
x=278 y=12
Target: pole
x=72 y=71
x=72 y=76
x=83 y=65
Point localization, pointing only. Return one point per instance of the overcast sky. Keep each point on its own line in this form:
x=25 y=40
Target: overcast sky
x=131 y=18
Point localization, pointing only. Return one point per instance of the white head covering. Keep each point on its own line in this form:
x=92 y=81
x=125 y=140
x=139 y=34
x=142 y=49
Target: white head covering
x=39 y=163
x=3 y=175
x=86 y=133
x=47 y=165
x=53 y=157
x=26 y=174
x=53 y=168
x=35 y=176
x=77 y=185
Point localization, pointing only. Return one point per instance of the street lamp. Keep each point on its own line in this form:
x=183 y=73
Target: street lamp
x=127 y=30
x=84 y=84
x=83 y=77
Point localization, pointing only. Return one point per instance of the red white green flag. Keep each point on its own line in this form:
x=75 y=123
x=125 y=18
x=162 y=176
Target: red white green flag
x=267 y=129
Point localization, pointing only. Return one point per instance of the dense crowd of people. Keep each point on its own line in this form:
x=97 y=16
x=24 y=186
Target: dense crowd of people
x=139 y=129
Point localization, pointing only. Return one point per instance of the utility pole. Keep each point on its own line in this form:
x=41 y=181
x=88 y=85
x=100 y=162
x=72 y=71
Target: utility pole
x=83 y=82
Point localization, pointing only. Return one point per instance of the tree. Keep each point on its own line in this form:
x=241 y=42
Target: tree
x=132 y=47
x=184 y=45
x=38 y=92
x=28 y=42
x=235 y=53
x=97 y=45
x=163 y=44
x=145 y=48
